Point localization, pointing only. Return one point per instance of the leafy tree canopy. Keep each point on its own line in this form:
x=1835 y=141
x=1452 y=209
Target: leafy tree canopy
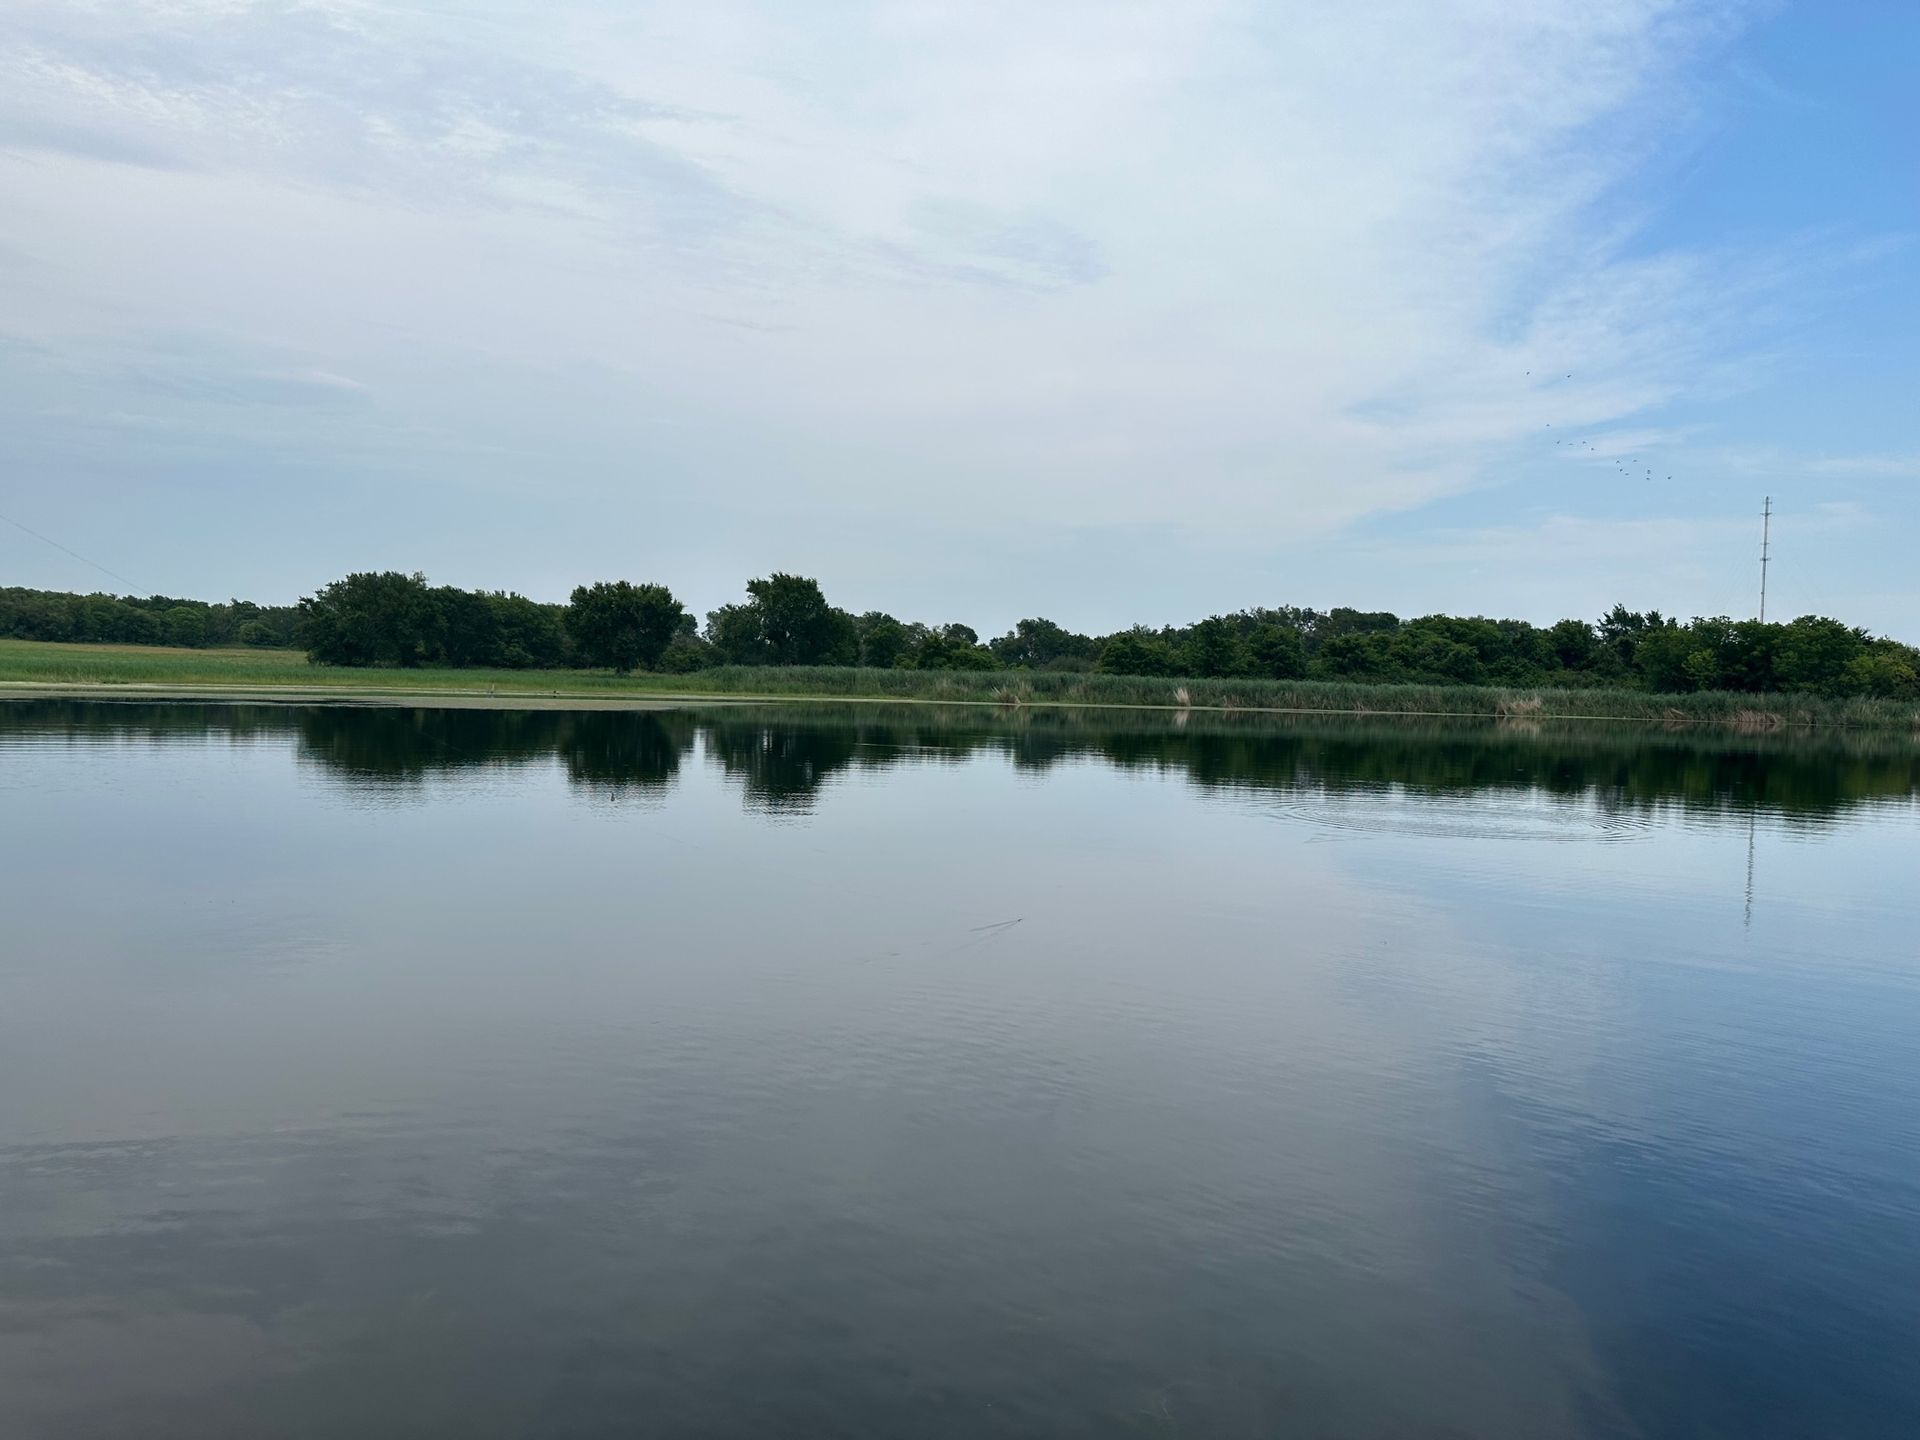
x=369 y=619
x=786 y=620
x=619 y=626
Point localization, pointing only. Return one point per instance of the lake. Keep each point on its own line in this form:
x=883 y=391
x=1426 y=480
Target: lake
x=814 y=1072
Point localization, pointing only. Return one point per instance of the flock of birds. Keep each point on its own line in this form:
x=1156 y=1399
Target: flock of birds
x=1619 y=464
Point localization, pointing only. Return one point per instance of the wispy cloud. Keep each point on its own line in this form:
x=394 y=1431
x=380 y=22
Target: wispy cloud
x=1127 y=262
x=1885 y=467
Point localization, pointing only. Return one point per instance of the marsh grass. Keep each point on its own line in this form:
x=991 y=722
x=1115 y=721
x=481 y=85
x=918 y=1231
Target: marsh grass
x=36 y=663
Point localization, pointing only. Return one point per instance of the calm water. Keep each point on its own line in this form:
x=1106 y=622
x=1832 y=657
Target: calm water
x=379 y=1072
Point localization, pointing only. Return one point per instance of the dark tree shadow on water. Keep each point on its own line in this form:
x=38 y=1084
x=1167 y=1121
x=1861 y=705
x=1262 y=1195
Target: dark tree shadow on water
x=783 y=756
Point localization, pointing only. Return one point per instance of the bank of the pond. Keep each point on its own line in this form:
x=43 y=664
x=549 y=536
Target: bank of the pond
x=33 y=667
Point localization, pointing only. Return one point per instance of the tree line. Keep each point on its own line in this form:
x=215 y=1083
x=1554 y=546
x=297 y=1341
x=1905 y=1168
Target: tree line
x=787 y=620
x=149 y=620
x=394 y=619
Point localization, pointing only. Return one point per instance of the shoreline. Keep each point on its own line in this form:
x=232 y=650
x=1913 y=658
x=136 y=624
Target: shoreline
x=521 y=697
x=80 y=671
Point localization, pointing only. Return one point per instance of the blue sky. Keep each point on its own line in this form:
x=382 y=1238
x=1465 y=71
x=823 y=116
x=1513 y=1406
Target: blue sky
x=1113 y=312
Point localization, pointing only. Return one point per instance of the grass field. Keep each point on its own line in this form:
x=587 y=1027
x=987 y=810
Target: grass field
x=27 y=665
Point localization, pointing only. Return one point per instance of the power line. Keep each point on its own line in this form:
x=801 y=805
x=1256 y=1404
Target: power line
x=48 y=539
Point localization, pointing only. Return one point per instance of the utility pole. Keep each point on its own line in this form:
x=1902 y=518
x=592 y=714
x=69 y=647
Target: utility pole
x=1766 y=540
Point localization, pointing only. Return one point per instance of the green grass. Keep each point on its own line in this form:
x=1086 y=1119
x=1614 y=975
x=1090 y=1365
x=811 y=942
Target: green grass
x=33 y=663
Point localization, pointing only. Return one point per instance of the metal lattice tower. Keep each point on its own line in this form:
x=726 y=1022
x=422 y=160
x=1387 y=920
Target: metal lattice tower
x=1766 y=547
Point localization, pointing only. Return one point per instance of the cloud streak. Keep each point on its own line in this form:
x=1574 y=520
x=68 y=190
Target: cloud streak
x=1249 y=274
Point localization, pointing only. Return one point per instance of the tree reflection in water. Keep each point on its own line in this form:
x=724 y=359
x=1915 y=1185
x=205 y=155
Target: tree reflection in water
x=784 y=757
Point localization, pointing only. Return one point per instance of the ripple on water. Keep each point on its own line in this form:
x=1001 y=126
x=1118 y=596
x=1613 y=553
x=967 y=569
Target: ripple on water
x=1478 y=816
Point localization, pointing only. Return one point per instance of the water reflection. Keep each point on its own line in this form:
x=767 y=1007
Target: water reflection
x=376 y=1070
x=783 y=758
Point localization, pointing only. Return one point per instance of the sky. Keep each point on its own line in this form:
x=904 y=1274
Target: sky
x=1113 y=312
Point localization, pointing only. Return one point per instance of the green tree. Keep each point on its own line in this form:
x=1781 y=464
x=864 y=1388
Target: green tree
x=1213 y=648
x=1814 y=653
x=619 y=626
x=1467 y=650
x=1437 y=648
x=135 y=627
x=1138 y=651
x=685 y=653
x=883 y=640
x=1701 y=667
x=734 y=633
x=786 y=620
x=1356 y=655
x=1621 y=629
x=1276 y=652
x=1572 y=645
x=797 y=624
x=465 y=629
x=528 y=635
x=953 y=647
x=1039 y=643
x=1887 y=670
x=1521 y=654
x=1663 y=656
x=368 y=618
x=184 y=625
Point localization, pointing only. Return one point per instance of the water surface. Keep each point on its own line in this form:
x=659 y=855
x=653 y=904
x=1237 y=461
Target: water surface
x=370 y=1071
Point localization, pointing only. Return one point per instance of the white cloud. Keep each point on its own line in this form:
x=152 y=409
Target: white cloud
x=1133 y=263
x=1878 y=467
